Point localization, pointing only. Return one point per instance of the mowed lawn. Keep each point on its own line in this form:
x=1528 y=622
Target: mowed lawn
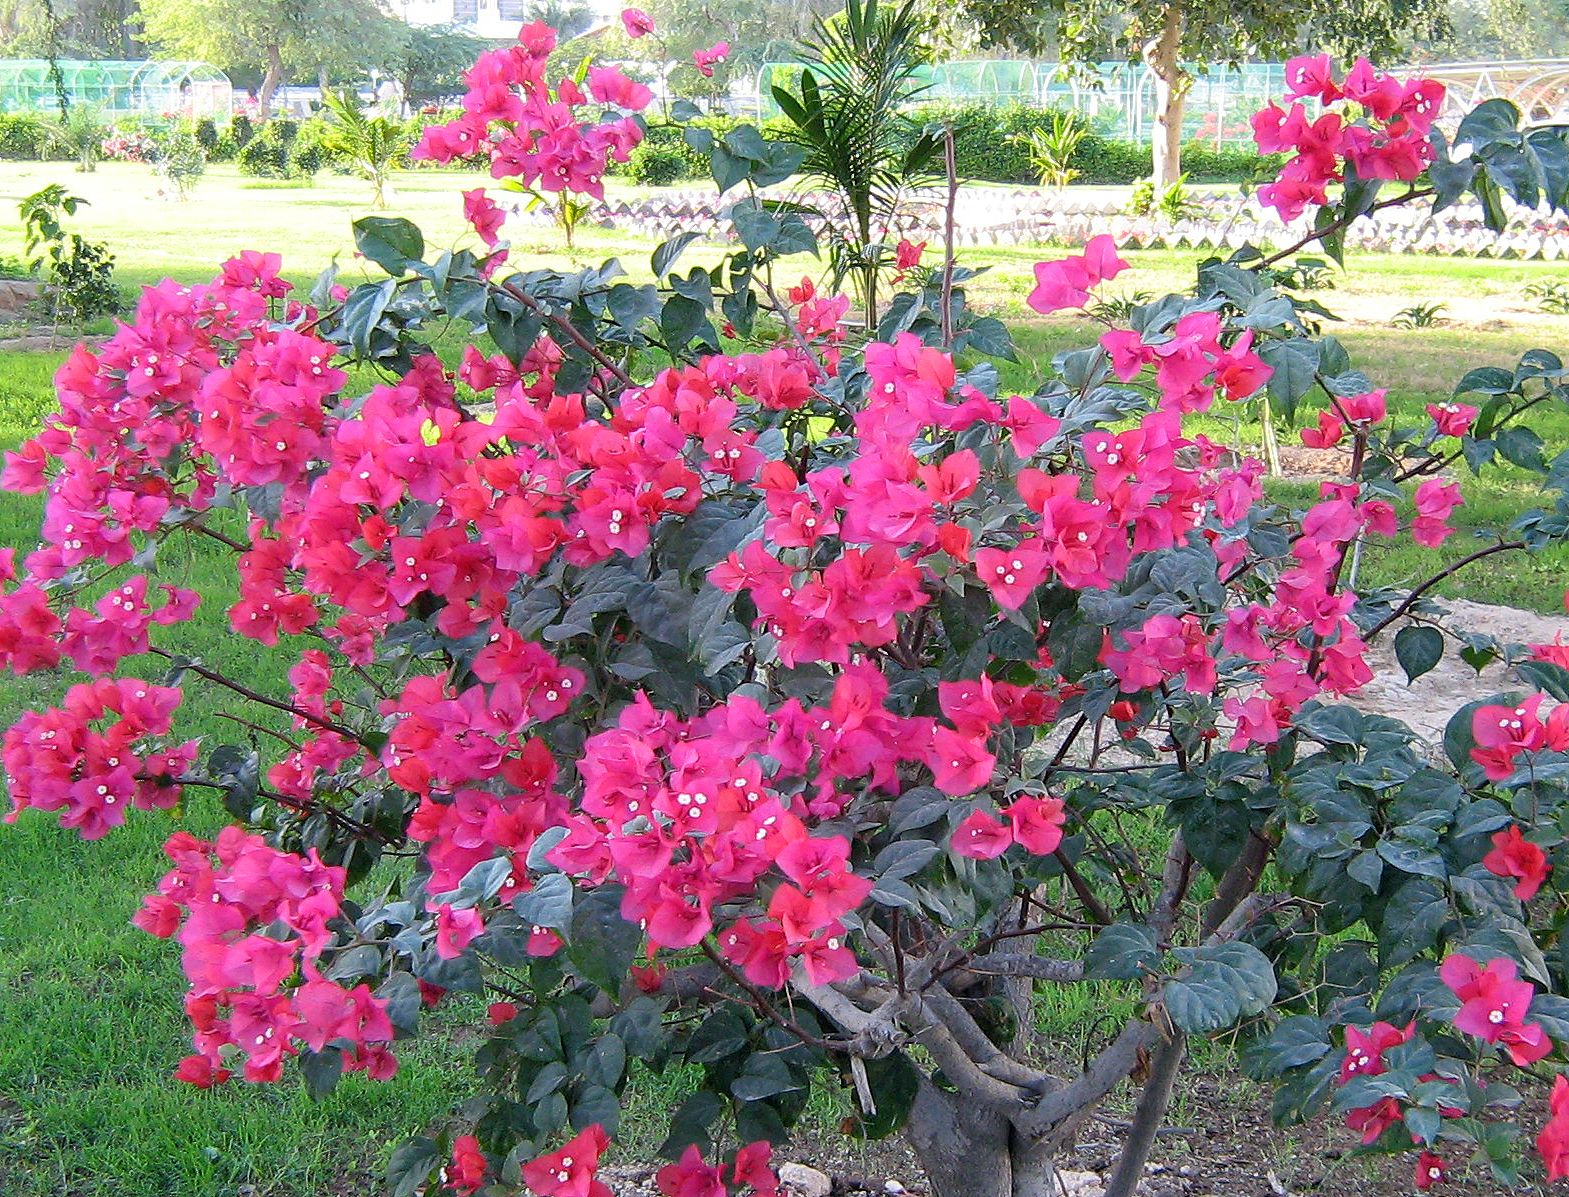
x=90 y=1022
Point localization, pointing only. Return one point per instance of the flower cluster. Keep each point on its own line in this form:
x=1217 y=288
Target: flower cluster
x=1371 y=126
x=1504 y=734
x=89 y=760
x=533 y=131
x=253 y=923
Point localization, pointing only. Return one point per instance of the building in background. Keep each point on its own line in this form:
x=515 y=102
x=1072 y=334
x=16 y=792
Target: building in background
x=496 y=19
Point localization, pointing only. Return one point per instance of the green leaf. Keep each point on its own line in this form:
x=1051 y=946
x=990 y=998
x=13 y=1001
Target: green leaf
x=548 y=904
x=894 y=1082
x=607 y=1061
x=389 y=241
x=1418 y=648
x=1296 y=1041
x=363 y=310
x=321 y=1071
x=1411 y=922
x=665 y=256
x=690 y=1124
x=1122 y=952
x=764 y=1075
x=1294 y=364
x=1224 y=983
x=411 y=1165
x=722 y=1034
x=1492 y=122
x=596 y=1104
x=1522 y=447
x=602 y=944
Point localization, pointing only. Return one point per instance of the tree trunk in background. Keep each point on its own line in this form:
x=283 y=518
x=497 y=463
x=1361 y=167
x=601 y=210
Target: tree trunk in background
x=1164 y=58
x=968 y=1150
x=270 y=81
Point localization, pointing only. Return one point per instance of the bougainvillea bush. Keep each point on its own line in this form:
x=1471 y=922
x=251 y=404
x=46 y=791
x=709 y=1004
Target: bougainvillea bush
x=717 y=694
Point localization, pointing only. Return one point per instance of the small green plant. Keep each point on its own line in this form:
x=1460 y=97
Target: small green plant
x=1304 y=274
x=1551 y=295
x=180 y=162
x=1052 y=148
x=1142 y=201
x=1171 y=205
x=266 y=154
x=80 y=133
x=1420 y=315
x=1118 y=309
x=371 y=146
x=15 y=268
x=81 y=272
x=1176 y=202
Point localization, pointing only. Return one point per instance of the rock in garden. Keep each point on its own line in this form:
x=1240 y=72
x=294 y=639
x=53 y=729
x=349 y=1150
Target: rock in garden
x=802 y=1181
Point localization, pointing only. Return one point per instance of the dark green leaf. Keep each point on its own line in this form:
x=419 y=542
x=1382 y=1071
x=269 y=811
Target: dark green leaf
x=389 y=241
x=1122 y=952
x=1418 y=648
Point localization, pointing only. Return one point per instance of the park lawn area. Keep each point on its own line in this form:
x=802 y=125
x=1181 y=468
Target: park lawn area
x=90 y=1022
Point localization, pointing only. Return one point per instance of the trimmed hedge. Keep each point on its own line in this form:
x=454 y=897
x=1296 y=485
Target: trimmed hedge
x=988 y=145
x=989 y=148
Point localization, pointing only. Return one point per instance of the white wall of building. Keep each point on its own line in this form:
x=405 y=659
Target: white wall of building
x=498 y=19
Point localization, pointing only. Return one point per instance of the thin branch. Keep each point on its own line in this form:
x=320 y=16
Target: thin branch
x=247 y=692
x=1503 y=546
x=1343 y=221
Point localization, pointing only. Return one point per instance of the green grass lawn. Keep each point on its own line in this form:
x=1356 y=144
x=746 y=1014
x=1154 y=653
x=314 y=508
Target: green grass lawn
x=90 y=1022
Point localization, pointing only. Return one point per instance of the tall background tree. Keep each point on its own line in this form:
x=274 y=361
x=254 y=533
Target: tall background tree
x=68 y=29
x=278 y=37
x=1175 y=37
x=431 y=63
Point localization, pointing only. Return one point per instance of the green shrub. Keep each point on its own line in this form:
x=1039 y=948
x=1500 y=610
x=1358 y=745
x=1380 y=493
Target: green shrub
x=282 y=149
x=264 y=158
x=241 y=130
x=656 y=166
x=992 y=144
x=205 y=130
x=310 y=151
x=22 y=137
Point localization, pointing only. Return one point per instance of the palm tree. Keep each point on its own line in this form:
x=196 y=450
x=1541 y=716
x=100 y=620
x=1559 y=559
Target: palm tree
x=569 y=18
x=372 y=145
x=861 y=73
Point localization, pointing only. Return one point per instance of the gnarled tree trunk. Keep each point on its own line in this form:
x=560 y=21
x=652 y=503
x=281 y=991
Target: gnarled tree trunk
x=270 y=81
x=970 y=1150
x=1164 y=57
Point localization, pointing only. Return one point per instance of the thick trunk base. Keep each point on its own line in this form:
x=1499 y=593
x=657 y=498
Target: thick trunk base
x=968 y=1150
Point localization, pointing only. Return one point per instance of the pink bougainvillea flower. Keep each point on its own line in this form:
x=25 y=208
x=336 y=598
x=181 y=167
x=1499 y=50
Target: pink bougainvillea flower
x=707 y=60
x=636 y=22
x=1515 y=856
x=1036 y=824
x=484 y=214
x=1493 y=1006
x=1452 y=419
x=1553 y=1141
x=1329 y=432
x=1430 y=1170
x=981 y=837
x=1365 y=1049
x=1066 y=282
x=1435 y=500
x=610 y=86
x=467 y=1173
x=570 y=1171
